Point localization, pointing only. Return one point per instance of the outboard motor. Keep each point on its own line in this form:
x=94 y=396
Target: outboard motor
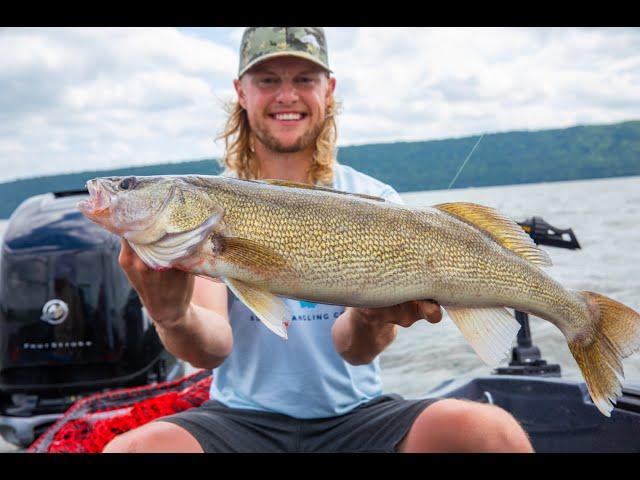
x=70 y=322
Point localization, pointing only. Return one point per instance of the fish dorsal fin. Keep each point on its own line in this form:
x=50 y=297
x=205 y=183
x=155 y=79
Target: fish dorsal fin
x=306 y=186
x=500 y=228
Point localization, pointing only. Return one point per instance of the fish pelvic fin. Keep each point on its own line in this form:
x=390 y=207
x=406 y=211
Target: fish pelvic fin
x=270 y=309
x=613 y=333
x=500 y=228
x=490 y=331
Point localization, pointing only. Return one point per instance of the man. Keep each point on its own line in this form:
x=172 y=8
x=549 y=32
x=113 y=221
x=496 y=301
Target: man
x=321 y=390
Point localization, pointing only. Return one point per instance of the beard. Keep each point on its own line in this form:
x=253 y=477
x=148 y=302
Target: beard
x=274 y=144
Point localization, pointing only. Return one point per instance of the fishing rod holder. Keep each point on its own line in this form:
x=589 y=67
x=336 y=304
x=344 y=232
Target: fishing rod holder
x=544 y=234
x=525 y=357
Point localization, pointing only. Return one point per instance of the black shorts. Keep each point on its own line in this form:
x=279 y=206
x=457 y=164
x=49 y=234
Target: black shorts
x=377 y=426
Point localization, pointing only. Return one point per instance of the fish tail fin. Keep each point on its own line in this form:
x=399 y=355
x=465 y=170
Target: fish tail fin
x=613 y=333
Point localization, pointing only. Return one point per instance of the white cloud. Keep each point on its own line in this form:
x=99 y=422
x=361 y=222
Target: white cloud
x=92 y=98
x=442 y=82
x=77 y=99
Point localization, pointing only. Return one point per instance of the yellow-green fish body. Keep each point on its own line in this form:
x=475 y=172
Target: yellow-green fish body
x=276 y=238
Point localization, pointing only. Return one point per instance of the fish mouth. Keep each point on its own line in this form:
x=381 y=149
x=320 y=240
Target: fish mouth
x=98 y=202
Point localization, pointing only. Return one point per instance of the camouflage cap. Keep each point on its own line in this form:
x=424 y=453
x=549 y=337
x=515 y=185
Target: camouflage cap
x=261 y=43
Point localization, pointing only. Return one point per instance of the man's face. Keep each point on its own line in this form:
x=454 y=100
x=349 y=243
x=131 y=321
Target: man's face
x=285 y=99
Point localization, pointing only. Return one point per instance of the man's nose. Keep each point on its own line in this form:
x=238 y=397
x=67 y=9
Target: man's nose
x=287 y=94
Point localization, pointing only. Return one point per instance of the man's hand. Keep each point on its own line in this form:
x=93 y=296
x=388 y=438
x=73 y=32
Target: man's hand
x=166 y=295
x=196 y=329
x=404 y=314
x=360 y=334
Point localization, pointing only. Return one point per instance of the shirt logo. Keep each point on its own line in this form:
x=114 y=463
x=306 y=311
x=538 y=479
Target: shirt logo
x=304 y=304
x=54 y=312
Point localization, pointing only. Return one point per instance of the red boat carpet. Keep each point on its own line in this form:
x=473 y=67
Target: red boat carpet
x=90 y=423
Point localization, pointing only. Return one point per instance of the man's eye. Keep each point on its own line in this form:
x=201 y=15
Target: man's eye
x=307 y=80
x=128 y=183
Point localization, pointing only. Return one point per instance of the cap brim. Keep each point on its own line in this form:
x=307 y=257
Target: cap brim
x=268 y=56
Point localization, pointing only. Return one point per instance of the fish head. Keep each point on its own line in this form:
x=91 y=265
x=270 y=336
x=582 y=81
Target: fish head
x=144 y=209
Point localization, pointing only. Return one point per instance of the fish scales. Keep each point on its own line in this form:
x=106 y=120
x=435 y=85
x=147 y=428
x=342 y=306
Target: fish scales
x=276 y=238
x=393 y=253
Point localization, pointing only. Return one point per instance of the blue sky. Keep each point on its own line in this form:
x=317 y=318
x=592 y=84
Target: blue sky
x=74 y=99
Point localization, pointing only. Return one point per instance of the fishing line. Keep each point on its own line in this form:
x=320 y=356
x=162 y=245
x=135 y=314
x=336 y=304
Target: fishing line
x=465 y=161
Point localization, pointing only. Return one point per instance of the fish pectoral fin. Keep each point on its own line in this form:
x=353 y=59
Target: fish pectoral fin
x=269 y=308
x=500 y=228
x=252 y=255
x=173 y=247
x=490 y=331
x=306 y=186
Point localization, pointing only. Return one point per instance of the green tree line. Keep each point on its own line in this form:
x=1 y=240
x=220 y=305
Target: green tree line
x=581 y=152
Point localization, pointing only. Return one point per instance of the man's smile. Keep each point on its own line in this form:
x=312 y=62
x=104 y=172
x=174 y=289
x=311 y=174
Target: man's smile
x=288 y=117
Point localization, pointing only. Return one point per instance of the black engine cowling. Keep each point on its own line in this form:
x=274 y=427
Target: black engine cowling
x=69 y=319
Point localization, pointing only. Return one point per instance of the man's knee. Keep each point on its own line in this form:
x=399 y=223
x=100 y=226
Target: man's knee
x=123 y=443
x=462 y=425
x=156 y=437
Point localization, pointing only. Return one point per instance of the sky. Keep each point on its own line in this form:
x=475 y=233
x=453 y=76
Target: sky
x=74 y=99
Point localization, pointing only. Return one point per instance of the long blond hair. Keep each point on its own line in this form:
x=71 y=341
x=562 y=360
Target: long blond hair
x=240 y=158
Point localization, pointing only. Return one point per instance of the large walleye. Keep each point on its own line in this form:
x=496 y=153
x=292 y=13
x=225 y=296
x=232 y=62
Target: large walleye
x=272 y=238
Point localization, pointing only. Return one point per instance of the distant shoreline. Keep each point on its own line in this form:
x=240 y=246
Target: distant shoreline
x=500 y=159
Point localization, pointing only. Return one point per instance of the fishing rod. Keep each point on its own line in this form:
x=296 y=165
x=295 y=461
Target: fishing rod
x=465 y=162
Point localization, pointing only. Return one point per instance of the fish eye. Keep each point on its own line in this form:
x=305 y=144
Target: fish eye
x=128 y=183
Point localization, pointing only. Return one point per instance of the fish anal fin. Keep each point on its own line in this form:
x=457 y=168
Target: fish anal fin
x=500 y=228
x=490 y=331
x=270 y=309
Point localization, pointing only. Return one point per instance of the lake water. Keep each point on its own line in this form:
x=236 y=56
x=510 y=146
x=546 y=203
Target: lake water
x=605 y=216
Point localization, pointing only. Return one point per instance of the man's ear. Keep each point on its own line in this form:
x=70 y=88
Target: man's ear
x=240 y=92
x=331 y=86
